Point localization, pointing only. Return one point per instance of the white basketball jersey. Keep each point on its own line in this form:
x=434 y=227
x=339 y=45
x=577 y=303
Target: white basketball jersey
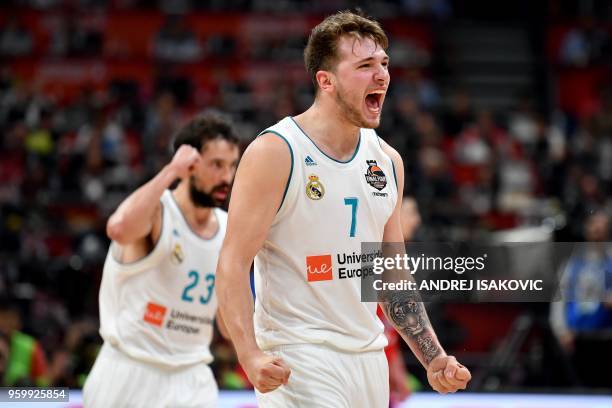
x=308 y=272
x=161 y=308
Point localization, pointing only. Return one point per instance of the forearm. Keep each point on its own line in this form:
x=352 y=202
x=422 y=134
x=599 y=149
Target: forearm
x=222 y=328
x=407 y=314
x=133 y=219
x=236 y=303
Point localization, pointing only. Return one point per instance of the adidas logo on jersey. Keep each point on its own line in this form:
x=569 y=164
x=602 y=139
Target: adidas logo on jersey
x=309 y=161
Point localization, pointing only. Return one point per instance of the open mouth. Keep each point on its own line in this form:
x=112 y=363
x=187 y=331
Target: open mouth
x=374 y=101
x=220 y=192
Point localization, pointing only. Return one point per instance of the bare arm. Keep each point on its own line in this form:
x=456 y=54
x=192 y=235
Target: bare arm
x=404 y=307
x=407 y=313
x=256 y=196
x=222 y=327
x=139 y=215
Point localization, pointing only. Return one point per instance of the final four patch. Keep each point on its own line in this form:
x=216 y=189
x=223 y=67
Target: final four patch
x=375 y=176
x=314 y=188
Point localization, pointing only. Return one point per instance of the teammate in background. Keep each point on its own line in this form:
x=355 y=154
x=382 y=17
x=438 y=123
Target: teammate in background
x=157 y=298
x=308 y=192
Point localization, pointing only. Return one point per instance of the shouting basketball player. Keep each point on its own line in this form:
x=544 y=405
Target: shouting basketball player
x=308 y=192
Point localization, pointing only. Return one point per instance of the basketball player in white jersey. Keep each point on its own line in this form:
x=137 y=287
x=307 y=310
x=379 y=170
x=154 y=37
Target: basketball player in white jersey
x=308 y=192
x=157 y=297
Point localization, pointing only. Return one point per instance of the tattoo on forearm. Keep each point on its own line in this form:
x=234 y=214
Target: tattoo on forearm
x=408 y=315
x=428 y=348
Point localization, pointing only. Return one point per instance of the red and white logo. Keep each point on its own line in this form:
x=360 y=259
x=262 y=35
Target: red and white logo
x=155 y=314
x=319 y=268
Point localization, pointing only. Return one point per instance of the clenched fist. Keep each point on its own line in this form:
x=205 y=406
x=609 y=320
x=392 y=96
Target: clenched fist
x=184 y=161
x=266 y=372
x=446 y=375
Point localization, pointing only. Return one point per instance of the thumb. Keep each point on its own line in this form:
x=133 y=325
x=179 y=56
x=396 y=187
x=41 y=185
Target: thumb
x=279 y=362
x=463 y=374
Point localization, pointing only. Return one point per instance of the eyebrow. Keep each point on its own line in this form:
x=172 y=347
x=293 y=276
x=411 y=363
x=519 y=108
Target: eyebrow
x=368 y=59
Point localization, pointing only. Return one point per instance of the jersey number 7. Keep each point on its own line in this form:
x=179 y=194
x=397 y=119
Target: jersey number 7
x=354 y=203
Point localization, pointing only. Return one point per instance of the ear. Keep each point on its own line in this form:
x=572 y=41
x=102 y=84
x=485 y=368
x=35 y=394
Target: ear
x=326 y=80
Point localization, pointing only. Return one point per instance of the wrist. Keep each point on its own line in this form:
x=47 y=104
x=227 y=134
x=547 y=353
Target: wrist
x=170 y=172
x=247 y=353
x=441 y=354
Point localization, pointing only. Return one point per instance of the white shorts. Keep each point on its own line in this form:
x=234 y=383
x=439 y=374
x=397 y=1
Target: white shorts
x=325 y=378
x=117 y=381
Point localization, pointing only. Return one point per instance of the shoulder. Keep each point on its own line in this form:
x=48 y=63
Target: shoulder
x=390 y=151
x=269 y=155
x=269 y=144
x=265 y=166
x=272 y=139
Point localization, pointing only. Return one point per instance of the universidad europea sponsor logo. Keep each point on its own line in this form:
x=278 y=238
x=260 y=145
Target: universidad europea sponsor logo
x=319 y=268
x=154 y=314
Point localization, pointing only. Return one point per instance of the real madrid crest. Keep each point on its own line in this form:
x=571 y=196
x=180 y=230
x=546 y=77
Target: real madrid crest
x=177 y=254
x=314 y=188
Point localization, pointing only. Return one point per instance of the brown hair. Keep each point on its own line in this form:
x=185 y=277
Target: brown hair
x=321 y=51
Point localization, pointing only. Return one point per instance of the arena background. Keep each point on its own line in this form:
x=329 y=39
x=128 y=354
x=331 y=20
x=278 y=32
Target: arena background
x=501 y=110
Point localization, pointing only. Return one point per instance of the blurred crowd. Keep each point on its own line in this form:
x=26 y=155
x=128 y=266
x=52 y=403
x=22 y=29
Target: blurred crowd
x=65 y=165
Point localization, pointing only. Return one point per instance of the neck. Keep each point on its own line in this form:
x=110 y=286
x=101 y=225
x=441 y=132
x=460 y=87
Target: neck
x=326 y=125
x=197 y=217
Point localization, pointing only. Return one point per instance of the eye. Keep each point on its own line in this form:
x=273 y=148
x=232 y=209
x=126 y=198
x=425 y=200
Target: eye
x=364 y=66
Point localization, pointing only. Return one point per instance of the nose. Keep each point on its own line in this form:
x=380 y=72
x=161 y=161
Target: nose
x=381 y=76
x=228 y=174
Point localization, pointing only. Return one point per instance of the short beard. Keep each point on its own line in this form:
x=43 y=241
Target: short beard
x=201 y=199
x=350 y=113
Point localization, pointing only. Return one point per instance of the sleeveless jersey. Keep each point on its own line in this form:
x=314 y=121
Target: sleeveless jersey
x=308 y=272
x=161 y=308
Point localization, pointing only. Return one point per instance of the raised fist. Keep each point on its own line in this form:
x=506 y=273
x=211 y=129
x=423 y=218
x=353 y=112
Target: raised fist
x=185 y=160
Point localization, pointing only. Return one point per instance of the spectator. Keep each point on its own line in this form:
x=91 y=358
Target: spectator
x=459 y=114
x=74 y=358
x=71 y=38
x=582 y=320
x=103 y=138
x=175 y=42
x=440 y=9
x=15 y=40
x=422 y=89
x=26 y=364
x=410 y=218
x=161 y=122
x=584 y=44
